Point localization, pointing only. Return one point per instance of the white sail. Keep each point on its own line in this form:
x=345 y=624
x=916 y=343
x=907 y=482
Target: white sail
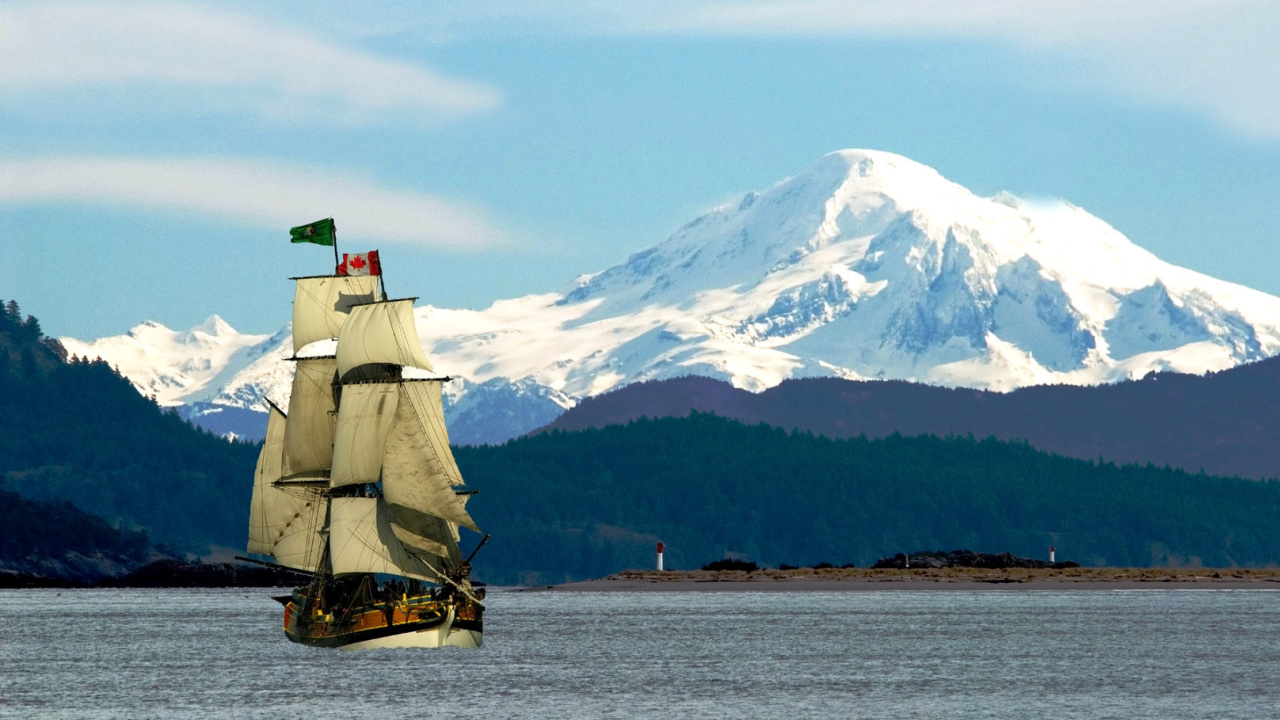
x=382 y=332
x=363 y=421
x=321 y=305
x=299 y=543
x=418 y=471
x=284 y=522
x=308 y=437
x=361 y=541
x=427 y=533
x=263 y=504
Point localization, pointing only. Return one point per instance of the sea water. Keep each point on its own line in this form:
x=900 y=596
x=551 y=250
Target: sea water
x=884 y=654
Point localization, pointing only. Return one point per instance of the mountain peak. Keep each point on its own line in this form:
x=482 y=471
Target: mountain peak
x=856 y=171
x=870 y=264
x=148 y=328
x=867 y=163
x=214 y=325
x=846 y=195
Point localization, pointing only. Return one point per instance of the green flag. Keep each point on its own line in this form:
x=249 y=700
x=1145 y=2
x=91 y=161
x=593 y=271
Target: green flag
x=320 y=232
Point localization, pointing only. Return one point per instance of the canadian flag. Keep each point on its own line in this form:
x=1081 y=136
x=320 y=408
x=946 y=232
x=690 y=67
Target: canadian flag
x=365 y=263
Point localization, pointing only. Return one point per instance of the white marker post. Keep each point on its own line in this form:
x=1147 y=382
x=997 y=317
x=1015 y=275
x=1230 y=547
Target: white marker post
x=660 y=547
x=1051 y=553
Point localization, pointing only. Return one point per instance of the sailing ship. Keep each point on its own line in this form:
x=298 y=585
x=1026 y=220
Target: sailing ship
x=356 y=484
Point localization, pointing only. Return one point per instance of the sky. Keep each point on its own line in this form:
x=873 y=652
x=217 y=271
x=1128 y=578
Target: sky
x=154 y=155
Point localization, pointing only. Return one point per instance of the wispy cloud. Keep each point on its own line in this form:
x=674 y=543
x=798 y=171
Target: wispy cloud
x=241 y=62
x=265 y=194
x=1039 y=20
x=1217 y=57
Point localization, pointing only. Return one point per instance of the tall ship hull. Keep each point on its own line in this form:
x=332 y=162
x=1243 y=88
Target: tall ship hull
x=356 y=484
x=422 y=621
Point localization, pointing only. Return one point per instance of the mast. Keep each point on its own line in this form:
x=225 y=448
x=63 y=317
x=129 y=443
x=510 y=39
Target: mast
x=364 y=454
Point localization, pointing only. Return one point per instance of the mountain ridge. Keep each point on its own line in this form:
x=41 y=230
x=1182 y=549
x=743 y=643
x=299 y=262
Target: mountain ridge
x=1222 y=423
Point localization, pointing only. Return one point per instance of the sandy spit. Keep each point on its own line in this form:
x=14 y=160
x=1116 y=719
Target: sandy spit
x=862 y=579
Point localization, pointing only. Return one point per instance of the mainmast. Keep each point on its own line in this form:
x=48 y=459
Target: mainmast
x=359 y=477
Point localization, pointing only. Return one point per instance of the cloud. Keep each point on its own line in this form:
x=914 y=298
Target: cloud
x=1216 y=57
x=265 y=194
x=236 y=59
x=1043 y=20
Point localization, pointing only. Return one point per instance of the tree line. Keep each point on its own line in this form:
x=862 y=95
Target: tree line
x=587 y=503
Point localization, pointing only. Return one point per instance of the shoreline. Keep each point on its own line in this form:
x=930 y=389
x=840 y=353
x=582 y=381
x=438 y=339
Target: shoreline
x=166 y=573
x=945 y=579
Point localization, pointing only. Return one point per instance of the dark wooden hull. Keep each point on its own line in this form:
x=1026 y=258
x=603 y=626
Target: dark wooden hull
x=421 y=621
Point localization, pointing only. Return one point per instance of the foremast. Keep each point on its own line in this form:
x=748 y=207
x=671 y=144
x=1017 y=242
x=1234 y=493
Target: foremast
x=358 y=476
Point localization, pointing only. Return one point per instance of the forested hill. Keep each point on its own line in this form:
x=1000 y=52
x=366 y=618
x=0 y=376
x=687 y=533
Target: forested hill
x=583 y=504
x=76 y=430
x=1224 y=423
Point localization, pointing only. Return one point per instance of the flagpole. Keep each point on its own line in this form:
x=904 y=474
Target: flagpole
x=336 y=261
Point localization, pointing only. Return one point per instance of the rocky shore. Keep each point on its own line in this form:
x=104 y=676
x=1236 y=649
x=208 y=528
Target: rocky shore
x=948 y=578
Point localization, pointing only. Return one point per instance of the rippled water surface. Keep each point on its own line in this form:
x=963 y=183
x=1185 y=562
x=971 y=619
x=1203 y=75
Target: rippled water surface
x=1016 y=654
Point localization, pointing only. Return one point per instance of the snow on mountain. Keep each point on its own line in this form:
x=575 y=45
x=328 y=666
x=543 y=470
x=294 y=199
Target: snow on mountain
x=175 y=367
x=866 y=265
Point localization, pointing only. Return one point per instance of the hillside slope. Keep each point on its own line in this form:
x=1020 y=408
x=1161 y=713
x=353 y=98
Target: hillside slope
x=79 y=432
x=1223 y=423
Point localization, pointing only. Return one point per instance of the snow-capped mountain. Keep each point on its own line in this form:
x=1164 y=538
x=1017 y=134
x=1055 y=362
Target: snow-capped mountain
x=866 y=265
x=177 y=367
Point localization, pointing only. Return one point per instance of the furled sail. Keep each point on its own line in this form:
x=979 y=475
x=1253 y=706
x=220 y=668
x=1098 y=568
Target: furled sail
x=284 y=523
x=308 y=437
x=382 y=332
x=361 y=541
x=363 y=421
x=418 y=471
x=321 y=305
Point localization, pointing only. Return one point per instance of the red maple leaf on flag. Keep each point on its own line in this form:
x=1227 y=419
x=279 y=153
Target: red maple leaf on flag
x=356 y=262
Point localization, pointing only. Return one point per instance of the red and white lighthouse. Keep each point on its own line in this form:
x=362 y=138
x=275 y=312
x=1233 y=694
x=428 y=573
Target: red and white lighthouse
x=1052 y=551
x=660 y=549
